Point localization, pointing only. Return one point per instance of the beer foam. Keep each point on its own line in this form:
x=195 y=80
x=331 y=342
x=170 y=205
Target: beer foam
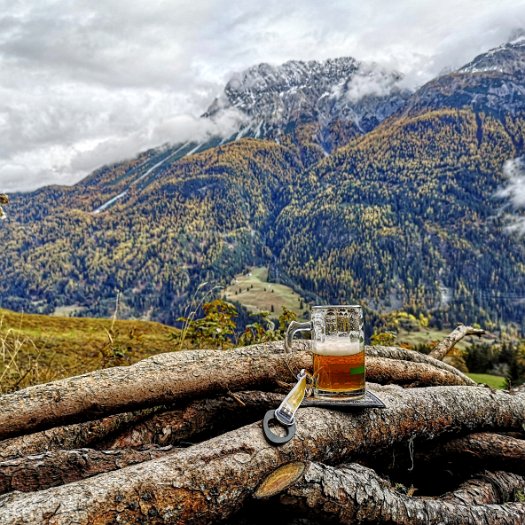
x=336 y=346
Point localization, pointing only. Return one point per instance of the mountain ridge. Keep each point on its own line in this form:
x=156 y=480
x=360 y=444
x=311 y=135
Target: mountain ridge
x=274 y=98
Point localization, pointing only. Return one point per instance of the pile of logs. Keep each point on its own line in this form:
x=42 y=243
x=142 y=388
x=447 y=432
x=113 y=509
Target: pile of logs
x=177 y=438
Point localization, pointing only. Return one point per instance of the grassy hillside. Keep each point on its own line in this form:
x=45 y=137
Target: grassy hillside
x=490 y=380
x=38 y=348
x=253 y=291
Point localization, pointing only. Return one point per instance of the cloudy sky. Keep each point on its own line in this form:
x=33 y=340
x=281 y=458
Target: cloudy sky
x=84 y=83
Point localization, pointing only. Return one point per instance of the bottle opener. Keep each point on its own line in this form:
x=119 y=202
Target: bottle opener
x=284 y=415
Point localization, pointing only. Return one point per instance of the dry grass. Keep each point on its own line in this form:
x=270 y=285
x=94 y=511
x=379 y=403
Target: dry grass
x=39 y=348
x=22 y=364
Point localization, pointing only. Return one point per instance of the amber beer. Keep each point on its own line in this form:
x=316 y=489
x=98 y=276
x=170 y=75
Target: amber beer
x=339 y=368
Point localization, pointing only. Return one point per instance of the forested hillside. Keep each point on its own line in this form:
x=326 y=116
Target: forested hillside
x=403 y=215
x=406 y=216
x=201 y=220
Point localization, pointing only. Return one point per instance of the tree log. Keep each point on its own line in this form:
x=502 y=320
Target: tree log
x=490 y=450
x=449 y=459
x=445 y=346
x=488 y=488
x=178 y=376
x=356 y=494
x=212 y=480
x=79 y=435
x=231 y=411
x=170 y=428
x=52 y=468
x=65 y=466
x=172 y=377
x=402 y=354
x=411 y=374
x=200 y=416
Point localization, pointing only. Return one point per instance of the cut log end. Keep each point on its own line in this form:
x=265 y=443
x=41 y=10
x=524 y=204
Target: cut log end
x=280 y=479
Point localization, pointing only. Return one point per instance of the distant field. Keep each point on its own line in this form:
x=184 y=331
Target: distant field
x=39 y=348
x=44 y=348
x=253 y=291
x=490 y=380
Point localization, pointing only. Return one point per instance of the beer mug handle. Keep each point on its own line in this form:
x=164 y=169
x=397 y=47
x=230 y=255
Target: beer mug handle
x=293 y=328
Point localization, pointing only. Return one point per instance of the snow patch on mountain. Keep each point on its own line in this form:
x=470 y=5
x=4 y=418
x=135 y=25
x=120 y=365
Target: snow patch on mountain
x=110 y=202
x=194 y=149
x=148 y=172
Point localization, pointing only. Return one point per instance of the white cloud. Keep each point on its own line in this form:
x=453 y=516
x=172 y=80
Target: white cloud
x=173 y=129
x=514 y=193
x=64 y=164
x=84 y=83
x=371 y=81
x=514 y=172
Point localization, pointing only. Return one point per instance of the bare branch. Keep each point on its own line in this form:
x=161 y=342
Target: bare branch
x=445 y=346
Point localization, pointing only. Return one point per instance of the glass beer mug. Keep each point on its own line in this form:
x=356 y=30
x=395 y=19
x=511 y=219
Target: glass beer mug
x=338 y=349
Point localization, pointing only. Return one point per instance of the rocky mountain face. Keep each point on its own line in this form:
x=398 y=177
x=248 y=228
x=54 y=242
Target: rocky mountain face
x=492 y=83
x=507 y=58
x=337 y=93
x=347 y=187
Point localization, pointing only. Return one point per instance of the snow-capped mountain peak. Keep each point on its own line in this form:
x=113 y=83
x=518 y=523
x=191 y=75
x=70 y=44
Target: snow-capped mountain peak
x=507 y=58
x=343 y=89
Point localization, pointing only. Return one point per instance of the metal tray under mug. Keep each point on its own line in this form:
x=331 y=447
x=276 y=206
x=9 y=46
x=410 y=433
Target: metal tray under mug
x=369 y=400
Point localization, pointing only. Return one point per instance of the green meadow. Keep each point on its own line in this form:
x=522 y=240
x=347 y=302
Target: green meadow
x=253 y=291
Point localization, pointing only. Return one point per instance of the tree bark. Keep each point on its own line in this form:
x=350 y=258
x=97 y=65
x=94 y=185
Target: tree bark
x=211 y=480
x=445 y=346
x=161 y=379
x=65 y=466
x=356 y=494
